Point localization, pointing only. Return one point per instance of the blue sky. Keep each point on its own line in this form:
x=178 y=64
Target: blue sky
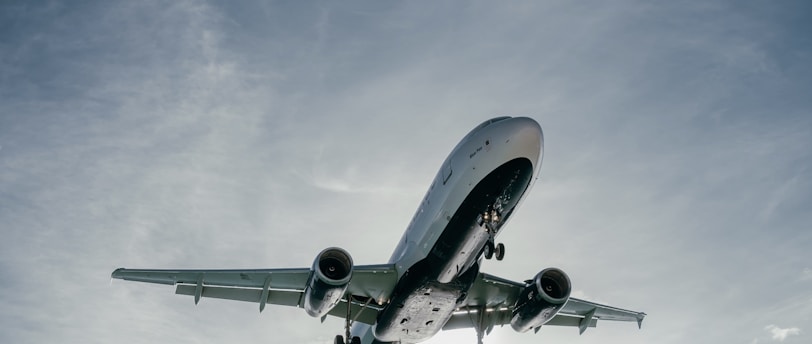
x=676 y=176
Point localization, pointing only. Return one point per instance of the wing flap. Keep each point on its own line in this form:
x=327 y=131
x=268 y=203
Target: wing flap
x=276 y=297
x=502 y=317
x=582 y=308
x=360 y=312
x=564 y=320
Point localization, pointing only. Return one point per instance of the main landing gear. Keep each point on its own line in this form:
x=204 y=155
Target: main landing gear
x=340 y=340
x=481 y=323
x=348 y=323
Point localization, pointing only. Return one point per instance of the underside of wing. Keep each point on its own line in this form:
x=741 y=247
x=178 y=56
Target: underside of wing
x=496 y=301
x=361 y=310
x=588 y=309
x=369 y=287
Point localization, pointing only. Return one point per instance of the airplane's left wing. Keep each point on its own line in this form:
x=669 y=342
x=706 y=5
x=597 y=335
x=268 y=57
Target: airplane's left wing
x=370 y=286
x=491 y=300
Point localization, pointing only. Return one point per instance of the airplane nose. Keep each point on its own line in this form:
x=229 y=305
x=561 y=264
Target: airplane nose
x=522 y=133
x=528 y=126
x=526 y=134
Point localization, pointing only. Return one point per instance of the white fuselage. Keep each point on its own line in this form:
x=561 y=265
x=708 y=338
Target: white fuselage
x=504 y=152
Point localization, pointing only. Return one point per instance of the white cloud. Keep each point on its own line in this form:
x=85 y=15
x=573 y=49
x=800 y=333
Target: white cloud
x=780 y=334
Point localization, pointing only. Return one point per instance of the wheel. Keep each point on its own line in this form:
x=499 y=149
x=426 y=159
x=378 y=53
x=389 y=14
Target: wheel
x=489 y=250
x=355 y=340
x=500 y=251
x=339 y=340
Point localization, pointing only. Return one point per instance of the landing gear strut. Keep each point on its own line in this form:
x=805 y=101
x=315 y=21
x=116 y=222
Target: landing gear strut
x=490 y=220
x=348 y=323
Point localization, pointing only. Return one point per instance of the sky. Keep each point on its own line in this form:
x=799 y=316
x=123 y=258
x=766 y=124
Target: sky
x=677 y=172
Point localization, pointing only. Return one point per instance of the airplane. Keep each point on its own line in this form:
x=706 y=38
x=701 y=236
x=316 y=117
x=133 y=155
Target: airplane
x=432 y=281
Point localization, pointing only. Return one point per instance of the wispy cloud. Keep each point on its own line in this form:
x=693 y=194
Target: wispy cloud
x=806 y=274
x=780 y=334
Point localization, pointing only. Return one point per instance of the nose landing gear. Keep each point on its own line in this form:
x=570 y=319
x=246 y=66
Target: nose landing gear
x=499 y=252
x=490 y=219
x=492 y=250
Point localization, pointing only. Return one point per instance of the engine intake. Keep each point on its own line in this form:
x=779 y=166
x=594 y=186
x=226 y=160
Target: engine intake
x=543 y=297
x=332 y=271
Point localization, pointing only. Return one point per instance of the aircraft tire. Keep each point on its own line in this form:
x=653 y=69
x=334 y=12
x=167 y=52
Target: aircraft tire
x=489 y=250
x=500 y=251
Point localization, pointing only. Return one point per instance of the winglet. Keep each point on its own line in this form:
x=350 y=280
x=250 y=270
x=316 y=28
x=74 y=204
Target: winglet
x=640 y=317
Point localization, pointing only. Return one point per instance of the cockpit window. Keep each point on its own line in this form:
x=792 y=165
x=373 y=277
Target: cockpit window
x=490 y=121
x=485 y=124
x=497 y=119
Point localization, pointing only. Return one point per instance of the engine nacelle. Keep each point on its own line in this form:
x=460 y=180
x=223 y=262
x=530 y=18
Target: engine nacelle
x=332 y=271
x=543 y=297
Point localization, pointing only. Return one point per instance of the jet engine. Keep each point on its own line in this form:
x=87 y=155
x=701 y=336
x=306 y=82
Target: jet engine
x=328 y=282
x=541 y=299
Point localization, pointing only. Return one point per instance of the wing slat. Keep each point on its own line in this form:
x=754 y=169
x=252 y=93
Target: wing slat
x=293 y=279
